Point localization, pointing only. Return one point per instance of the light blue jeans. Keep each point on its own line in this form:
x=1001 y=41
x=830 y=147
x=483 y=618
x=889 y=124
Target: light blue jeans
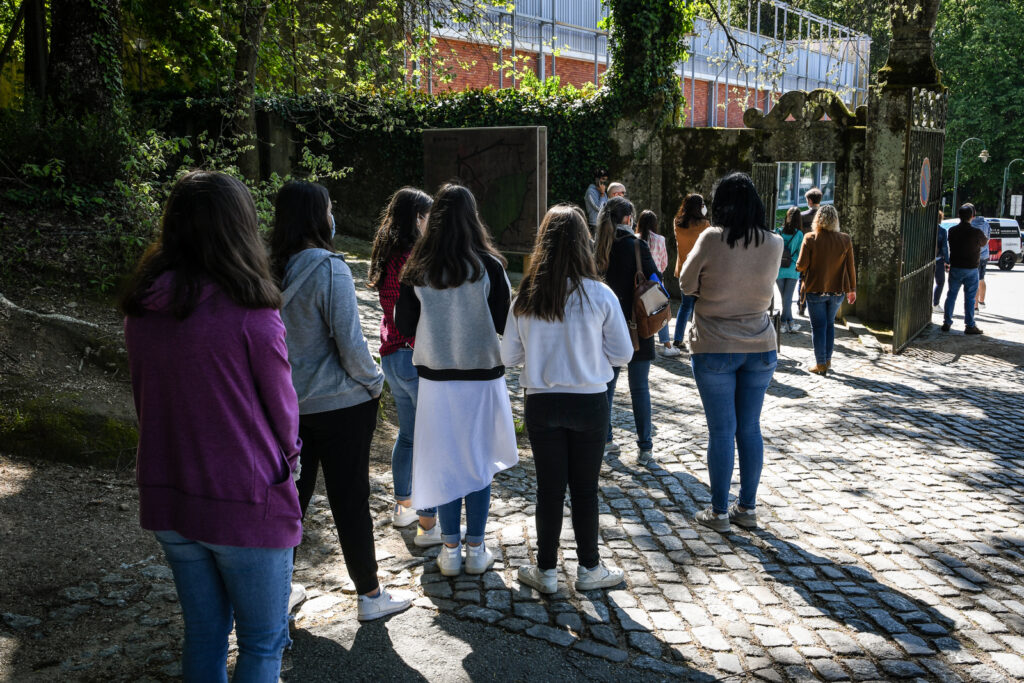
x=822 y=309
x=221 y=584
x=478 y=505
x=683 y=315
x=404 y=383
x=968 y=279
x=732 y=388
x=787 y=286
x=640 y=394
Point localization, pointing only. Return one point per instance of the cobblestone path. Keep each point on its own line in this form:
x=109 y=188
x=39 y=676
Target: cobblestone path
x=891 y=541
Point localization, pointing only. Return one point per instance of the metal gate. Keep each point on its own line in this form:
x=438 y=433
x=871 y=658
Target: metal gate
x=922 y=189
x=766 y=180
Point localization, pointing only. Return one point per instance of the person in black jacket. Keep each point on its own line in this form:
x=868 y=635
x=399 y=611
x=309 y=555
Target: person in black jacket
x=965 y=245
x=615 y=256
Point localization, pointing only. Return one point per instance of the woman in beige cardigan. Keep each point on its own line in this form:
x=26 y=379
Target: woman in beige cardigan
x=826 y=260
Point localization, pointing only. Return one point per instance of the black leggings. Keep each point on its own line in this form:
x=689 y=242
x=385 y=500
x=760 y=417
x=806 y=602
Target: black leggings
x=339 y=441
x=567 y=433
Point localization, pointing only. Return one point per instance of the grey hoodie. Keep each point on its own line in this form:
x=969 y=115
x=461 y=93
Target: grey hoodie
x=331 y=365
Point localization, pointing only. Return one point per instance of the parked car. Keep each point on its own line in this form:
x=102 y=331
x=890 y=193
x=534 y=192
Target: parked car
x=1004 y=242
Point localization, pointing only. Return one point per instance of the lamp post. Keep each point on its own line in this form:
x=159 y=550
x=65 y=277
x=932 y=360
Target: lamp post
x=956 y=168
x=1006 y=176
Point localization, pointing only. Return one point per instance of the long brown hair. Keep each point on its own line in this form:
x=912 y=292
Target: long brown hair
x=612 y=214
x=560 y=261
x=300 y=222
x=209 y=231
x=794 y=222
x=454 y=245
x=646 y=224
x=689 y=212
x=397 y=232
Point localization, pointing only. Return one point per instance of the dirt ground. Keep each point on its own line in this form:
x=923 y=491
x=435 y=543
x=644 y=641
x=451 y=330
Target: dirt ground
x=84 y=593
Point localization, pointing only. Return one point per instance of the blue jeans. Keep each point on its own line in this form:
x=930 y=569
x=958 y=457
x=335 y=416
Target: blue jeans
x=968 y=279
x=663 y=333
x=640 y=393
x=684 y=313
x=218 y=584
x=404 y=384
x=822 y=309
x=732 y=388
x=787 y=286
x=478 y=504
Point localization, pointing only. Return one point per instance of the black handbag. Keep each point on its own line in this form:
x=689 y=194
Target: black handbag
x=776 y=318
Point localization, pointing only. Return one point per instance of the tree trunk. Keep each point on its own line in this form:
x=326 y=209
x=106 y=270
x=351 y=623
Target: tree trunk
x=35 y=49
x=12 y=35
x=243 y=123
x=85 y=65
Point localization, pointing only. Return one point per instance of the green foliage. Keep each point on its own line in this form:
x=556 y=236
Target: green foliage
x=647 y=40
x=980 y=50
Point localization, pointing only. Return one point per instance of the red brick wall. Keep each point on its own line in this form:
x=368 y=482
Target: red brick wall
x=480 y=60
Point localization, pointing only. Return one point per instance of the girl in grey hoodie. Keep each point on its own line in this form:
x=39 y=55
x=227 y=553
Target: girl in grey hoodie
x=336 y=379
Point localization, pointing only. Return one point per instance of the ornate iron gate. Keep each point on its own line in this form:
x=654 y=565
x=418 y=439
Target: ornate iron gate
x=922 y=189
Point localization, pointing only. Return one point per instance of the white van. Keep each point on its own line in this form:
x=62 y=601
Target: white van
x=1004 y=242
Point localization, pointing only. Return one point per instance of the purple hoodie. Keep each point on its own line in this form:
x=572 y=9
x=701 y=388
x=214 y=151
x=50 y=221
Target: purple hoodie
x=218 y=421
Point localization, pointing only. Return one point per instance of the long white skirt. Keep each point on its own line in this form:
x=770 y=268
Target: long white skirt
x=464 y=436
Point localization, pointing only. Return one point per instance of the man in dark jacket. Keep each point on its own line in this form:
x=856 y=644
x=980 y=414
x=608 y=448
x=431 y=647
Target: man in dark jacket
x=965 y=243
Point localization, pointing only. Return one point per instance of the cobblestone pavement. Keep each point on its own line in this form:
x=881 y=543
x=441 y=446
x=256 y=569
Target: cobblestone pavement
x=891 y=540
x=891 y=545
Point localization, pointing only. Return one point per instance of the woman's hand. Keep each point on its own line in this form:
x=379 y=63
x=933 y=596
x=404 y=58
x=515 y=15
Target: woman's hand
x=851 y=297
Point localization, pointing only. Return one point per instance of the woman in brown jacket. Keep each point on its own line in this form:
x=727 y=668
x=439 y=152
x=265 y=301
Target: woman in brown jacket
x=826 y=260
x=690 y=221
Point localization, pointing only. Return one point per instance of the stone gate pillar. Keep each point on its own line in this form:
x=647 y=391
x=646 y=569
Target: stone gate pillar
x=906 y=120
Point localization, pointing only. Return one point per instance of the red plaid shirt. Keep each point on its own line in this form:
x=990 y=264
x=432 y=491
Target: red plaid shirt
x=390 y=339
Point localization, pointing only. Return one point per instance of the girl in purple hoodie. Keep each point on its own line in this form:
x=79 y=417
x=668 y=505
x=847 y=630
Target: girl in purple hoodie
x=218 y=426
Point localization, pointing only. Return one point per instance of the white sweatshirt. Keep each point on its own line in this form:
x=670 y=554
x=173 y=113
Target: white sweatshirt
x=576 y=355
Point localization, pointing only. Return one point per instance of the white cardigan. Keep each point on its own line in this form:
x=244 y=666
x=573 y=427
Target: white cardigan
x=576 y=355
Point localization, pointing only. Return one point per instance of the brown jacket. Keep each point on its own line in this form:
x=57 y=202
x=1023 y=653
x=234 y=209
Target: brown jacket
x=826 y=260
x=685 y=239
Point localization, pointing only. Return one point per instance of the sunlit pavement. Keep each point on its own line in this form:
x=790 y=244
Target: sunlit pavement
x=891 y=510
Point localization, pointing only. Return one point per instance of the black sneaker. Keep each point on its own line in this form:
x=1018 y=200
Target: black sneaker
x=973 y=330
x=945 y=327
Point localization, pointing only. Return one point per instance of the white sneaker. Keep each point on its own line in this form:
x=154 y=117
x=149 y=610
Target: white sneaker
x=425 y=538
x=544 y=580
x=598 y=577
x=478 y=558
x=670 y=352
x=612 y=448
x=384 y=604
x=403 y=516
x=795 y=327
x=645 y=457
x=449 y=560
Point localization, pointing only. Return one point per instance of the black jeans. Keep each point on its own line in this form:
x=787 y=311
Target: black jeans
x=339 y=441
x=567 y=435
x=940 y=281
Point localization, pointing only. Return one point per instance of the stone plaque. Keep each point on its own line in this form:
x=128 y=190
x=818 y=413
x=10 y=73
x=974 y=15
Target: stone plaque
x=506 y=169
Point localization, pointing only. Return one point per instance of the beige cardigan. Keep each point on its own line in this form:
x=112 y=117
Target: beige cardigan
x=734 y=288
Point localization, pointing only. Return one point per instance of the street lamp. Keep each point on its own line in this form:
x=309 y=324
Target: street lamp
x=1006 y=176
x=956 y=169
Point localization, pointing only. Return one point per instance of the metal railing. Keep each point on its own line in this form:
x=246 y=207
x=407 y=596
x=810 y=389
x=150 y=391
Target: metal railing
x=780 y=48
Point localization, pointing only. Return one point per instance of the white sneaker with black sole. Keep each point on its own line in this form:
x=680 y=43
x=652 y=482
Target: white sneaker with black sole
x=384 y=604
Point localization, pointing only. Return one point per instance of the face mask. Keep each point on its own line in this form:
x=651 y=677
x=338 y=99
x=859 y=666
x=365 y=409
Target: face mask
x=332 y=226
x=704 y=211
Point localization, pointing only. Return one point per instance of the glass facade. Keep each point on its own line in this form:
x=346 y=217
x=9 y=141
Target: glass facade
x=796 y=177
